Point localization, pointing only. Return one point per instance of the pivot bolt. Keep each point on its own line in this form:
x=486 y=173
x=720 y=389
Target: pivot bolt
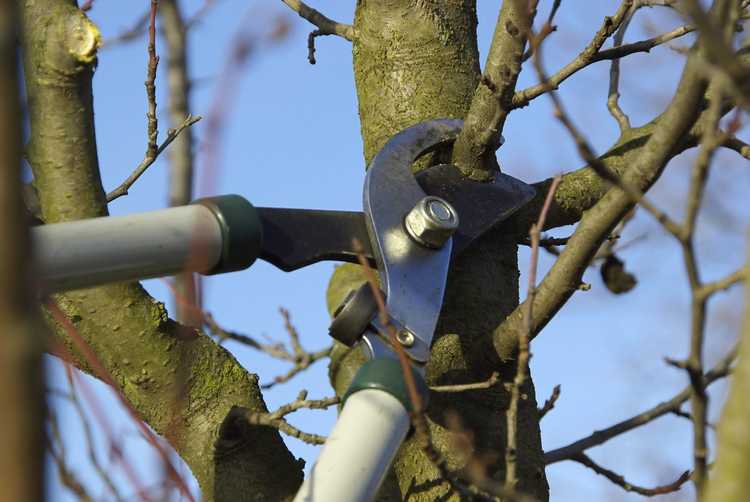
x=405 y=338
x=431 y=222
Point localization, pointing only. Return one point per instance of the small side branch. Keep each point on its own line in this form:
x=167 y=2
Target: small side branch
x=630 y=487
x=148 y=159
x=523 y=344
x=719 y=371
x=277 y=421
x=490 y=382
x=301 y=358
x=326 y=26
x=550 y=402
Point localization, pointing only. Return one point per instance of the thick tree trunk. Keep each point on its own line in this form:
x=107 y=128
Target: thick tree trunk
x=414 y=61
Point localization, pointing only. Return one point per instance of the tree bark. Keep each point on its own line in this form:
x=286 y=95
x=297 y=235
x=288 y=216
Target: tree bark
x=415 y=61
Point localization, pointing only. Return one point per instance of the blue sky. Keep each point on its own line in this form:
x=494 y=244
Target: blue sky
x=292 y=139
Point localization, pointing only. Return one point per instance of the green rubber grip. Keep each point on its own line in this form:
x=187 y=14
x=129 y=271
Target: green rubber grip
x=241 y=232
x=387 y=375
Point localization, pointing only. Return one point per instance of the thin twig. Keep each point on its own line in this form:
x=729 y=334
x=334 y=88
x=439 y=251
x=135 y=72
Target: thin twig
x=547 y=28
x=276 y=419
x=147 y=161
x=550 y=402
x=523 y=343
x=738 y=146
x=609 y=26
x=301 y=358
x=326 y=26
x=56 y=449
x=613 y=96
x=721 y=370
x=587 y=154
x=153 y=63
x=88 y=434
x=490 y=382
x=620 y=481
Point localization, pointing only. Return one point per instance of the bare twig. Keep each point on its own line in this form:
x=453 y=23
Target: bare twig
x=588 y=155
x=523 y=344
x=620 y=481
x=738 y=146
x=325 y=26
x=609 y=26
x=550 y=402
x=719 y=371
x=57 y=452
x=614 y=74
x=300 y=358
x=153 y=63
x=83 y=420
x=642 y=46
x=87 y=5
x=490 y=382
x=725 y=283
x=547 y=28
x=276 y=419
x=148 y=161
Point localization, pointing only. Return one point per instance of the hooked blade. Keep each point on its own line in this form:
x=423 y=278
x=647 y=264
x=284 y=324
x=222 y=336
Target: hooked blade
x=295 y=238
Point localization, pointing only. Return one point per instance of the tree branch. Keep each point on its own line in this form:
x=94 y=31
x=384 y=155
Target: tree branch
x=565 y=276
x=276 y=419
x=720 y=370
x=148 y=160
x=620 y=481
x=325 y=26
x=609 y=26
x=474 y=149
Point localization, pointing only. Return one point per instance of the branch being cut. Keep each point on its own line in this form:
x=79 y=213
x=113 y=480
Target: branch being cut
x=474 y=149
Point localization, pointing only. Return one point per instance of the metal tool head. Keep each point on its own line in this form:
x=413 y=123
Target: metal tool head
x=413 y=275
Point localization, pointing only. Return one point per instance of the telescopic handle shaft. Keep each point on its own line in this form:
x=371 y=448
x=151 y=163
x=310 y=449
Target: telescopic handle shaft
x=214 y=235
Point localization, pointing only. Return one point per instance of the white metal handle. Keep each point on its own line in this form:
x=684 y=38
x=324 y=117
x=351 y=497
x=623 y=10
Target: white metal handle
x=359 y=451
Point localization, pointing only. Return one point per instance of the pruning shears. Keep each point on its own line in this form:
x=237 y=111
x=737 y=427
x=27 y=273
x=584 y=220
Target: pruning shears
x=411 y=229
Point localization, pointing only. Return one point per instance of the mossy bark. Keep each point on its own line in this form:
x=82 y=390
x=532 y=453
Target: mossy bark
x=414 y=61
x=178 y=380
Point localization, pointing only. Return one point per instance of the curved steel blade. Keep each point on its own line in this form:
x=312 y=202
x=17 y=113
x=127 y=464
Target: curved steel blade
x=412 y=277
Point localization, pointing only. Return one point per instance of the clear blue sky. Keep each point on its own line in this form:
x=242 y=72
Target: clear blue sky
x=292 y=139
